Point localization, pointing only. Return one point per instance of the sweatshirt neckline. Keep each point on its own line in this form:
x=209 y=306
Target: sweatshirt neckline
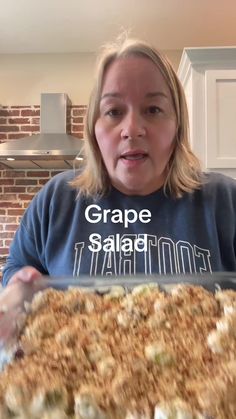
x=159 y=193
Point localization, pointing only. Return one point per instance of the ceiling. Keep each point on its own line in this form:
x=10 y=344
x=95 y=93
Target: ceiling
x=66 y=26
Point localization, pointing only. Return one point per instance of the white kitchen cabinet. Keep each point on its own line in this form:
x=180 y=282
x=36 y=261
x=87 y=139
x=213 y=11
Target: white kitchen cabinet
x=208 y=76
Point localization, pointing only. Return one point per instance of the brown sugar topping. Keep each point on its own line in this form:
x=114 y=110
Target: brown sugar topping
x=117 y=355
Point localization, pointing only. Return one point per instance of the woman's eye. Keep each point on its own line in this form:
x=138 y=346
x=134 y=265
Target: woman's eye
x=114 y=112
x=153 y=110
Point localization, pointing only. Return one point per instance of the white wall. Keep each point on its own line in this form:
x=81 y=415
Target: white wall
x=24 y=76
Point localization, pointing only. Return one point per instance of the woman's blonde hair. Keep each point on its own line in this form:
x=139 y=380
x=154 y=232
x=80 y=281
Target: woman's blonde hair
x=184 y=172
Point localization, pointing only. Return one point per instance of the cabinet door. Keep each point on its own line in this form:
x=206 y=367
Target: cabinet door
x=220 y=90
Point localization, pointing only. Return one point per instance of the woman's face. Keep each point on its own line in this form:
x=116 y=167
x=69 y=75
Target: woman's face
x=136 y=126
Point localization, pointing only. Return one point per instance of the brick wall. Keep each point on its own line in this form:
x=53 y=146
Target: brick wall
x=18 y=187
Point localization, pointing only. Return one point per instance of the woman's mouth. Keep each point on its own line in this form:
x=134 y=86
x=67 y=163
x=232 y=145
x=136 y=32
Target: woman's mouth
x=134 y=158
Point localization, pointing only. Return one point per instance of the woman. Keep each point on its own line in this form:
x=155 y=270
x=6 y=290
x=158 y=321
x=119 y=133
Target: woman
x=141 y=204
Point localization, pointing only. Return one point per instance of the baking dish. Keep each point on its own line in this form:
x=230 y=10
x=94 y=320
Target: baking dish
x=140 y=307
x=15 y=296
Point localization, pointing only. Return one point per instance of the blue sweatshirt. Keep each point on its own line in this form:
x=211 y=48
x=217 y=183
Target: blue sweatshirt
x=117 y=234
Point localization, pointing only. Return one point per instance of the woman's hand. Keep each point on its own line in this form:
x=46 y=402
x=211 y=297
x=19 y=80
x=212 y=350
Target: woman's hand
x=26 y=274
x=20 y=289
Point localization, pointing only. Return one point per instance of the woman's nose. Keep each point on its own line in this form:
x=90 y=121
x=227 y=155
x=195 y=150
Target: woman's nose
x=133 y=126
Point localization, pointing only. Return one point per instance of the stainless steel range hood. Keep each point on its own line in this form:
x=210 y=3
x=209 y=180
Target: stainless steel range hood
x=53 y=148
